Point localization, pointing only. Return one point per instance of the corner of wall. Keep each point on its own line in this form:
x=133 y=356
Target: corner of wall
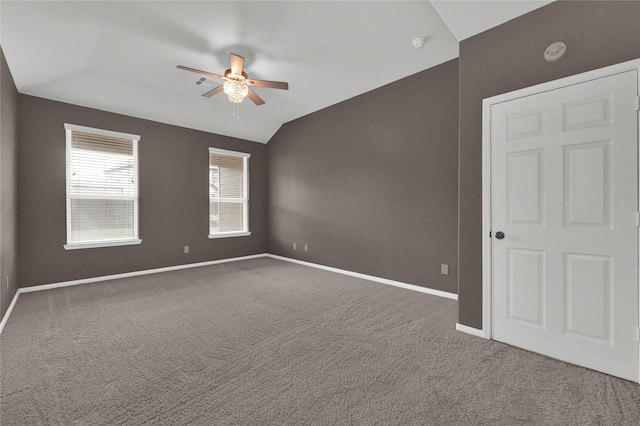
x=8 y=187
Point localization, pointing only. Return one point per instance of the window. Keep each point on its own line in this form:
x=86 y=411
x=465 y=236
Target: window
x=102 y=188
x=228 y=193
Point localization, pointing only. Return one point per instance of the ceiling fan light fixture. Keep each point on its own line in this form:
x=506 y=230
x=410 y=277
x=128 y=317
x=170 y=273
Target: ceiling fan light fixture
x=236 y=82
x=236 y=90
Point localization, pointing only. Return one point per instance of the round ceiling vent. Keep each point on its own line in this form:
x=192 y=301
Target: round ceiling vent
x=555 y=51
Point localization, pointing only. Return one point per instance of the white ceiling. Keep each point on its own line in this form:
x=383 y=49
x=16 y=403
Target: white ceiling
x=121 y=56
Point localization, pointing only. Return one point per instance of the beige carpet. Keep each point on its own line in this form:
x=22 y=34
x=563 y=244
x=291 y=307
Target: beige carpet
x=263 y=342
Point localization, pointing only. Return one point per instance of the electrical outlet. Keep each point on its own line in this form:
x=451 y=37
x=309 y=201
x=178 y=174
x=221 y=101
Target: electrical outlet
x=306 y=247
x=444 y=269
x=186 y=249
x=294 y=246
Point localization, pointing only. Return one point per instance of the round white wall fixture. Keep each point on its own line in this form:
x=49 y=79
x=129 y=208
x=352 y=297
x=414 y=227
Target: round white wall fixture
x=418 y=42
x=555 y=51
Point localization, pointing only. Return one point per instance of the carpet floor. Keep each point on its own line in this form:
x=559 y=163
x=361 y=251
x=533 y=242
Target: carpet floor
x=263 y=342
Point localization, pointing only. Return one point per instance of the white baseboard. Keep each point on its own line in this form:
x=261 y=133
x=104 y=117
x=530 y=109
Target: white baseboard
x=5 y=318
x=470 y=330
x=135 y=273
x=370 y=277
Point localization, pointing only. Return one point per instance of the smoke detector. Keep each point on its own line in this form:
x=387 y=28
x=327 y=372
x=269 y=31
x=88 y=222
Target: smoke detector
x=418 y=42
x=555 y=51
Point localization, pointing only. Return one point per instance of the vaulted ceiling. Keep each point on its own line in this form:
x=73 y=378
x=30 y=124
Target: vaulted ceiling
x=121 y=56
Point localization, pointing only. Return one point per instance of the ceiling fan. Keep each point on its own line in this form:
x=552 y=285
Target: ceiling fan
x=237 y=82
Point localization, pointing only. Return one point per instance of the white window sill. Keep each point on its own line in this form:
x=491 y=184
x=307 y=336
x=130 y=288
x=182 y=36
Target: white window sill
x=75 y=246
x=229 y=234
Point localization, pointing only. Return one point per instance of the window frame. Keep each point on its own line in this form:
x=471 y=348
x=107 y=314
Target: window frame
x=101 y=243
x=245 y=194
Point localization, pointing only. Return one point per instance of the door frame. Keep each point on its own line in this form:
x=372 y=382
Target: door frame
x=487 y=103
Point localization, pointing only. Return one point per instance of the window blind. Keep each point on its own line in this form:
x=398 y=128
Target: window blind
x=102 y=186
x=228 y=193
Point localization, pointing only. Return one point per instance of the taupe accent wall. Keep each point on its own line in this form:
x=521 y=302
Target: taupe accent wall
x=174 y=190
x=510 y=57
x=8 y=186
x=371 y=184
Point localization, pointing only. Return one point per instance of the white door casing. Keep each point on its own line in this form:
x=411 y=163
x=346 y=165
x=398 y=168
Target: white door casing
x=561 y=182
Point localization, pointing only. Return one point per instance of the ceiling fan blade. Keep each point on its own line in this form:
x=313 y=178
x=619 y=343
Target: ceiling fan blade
x=212 y=92
x=271 y=84
x=255 y=98
x=210 y=74
x=237 y=63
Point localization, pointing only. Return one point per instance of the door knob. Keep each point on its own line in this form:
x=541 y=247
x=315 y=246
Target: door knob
x=499 y=235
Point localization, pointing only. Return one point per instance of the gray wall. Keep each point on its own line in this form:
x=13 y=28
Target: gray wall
x=510 y=57
x=8 y=186
x=371 y=184
x=174 y=208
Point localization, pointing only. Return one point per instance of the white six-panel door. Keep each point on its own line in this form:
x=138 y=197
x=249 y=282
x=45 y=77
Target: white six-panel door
x=564 y=188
